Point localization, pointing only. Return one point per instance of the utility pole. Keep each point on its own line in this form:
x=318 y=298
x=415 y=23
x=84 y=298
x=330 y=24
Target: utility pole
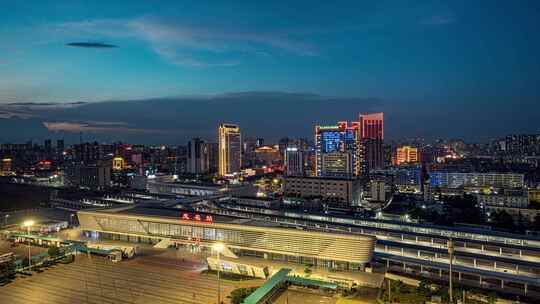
x=450 y=245
x=389 y=293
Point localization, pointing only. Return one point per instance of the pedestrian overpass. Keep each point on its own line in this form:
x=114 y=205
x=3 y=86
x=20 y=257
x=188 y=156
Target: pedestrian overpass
x=280 y=280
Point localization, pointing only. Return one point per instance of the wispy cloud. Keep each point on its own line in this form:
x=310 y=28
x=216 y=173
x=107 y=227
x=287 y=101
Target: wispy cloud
x=99 y=127
x=185 y=44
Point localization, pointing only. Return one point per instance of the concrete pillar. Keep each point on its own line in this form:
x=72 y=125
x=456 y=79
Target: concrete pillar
x=474 y=261
x=401 y=250
x=416 y=239
x=418 y=253
x=482 y=247
x=421 y=268
x=464 y=244
x=526 y=287
x=402 y=236
x=440 y=273
x=459 y=276
x=500 y=250
x=404 y=266
x=362 y=231
x=480 y=280
x=431 y=241
x=387 y=264
x=517 y=269
x=502 y=284
x=385 y=248
x=436 y=254
x=520 y=253
x=495 y=265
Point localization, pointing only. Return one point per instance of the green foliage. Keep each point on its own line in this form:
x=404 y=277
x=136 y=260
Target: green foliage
x=237 y=296
x=7 y=271
x=53 y=251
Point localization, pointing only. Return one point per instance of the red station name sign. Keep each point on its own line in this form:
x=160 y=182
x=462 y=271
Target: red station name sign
x=197 y=217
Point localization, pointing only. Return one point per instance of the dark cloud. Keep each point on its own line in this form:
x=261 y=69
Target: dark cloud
x=271 y=115
x=96 y=45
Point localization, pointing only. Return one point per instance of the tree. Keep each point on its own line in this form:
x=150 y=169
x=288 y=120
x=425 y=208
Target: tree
x=53 y=251
x=239 y=295
x=7 y=271
x=503 y=220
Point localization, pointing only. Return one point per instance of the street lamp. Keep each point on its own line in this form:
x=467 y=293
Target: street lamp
x=218 y=247
x=28 y=224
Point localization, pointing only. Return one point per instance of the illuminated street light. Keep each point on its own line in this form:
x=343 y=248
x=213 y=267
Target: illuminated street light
x=218 y=247
x=28 y=224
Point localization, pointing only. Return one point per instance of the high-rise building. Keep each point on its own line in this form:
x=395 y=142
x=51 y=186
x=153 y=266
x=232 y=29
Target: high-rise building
x=213 y=157
x=197 y=156
x=230 y=149
x=60 y=146
x=48 y=145
x=294 y=161
x=406 y=154
x=372 y=136
x=337 y=150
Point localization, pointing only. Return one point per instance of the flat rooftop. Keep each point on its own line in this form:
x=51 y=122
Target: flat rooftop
x=176 y=213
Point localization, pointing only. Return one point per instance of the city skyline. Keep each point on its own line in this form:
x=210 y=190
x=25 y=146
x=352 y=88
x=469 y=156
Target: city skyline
x=101 y=68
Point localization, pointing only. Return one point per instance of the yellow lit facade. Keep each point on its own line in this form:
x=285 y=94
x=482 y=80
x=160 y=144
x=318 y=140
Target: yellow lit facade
x=230 y=149
x=118 y=163
x=6 y=166
x=406 y=154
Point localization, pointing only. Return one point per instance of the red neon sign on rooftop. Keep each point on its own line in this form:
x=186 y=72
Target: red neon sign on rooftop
x=197 y=217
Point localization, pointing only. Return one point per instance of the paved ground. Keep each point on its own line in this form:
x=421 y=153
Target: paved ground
x=298 y=296
x=155 y=277
x=19 y=249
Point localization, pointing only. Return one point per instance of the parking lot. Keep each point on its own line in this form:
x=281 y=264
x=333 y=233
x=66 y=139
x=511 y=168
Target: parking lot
x=154 y=277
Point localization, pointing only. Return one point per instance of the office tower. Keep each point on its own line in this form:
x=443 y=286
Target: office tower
x=213 y=157
x=378 y=189
x=406 y=154
x=294 y=161
x=372 y=136
x=48 y=145
x=230 y=149
x=337 y=150
x=197 y=156
x=248 y=157
x=60 y=145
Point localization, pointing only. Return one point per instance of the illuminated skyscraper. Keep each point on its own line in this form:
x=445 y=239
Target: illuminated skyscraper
x=294 y=162
x=337 y=150
x=406 y=154
x=230 y=149
x=372 y=136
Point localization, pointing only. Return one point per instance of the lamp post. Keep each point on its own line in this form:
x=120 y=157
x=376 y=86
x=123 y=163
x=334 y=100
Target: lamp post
x=28 y=224
x=218 y=247
x=450 y=245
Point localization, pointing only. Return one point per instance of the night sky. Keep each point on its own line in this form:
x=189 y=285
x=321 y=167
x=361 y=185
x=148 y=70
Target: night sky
x=162 y=72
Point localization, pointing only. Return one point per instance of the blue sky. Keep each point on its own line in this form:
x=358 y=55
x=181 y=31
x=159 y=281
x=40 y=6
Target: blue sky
x=422 y=56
